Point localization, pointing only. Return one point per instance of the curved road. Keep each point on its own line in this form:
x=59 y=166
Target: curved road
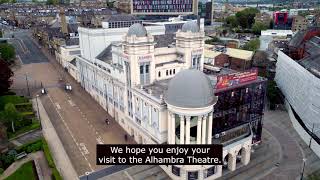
x=290 y=163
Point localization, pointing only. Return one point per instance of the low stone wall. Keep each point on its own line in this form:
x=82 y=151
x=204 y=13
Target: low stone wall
x=39 y=172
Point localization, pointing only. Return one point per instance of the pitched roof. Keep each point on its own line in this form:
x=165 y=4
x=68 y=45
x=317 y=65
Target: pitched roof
x=106 y=54
x=239 y=53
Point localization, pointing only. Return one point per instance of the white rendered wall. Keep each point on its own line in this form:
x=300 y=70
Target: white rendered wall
x=94 y=41
x=301 y=88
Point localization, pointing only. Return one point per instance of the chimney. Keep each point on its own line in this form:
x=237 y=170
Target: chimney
x=64 y=25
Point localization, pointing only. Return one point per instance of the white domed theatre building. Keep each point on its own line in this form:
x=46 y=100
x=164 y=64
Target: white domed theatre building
x=155 y=89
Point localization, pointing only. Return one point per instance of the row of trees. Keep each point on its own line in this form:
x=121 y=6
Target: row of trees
x=245 y=20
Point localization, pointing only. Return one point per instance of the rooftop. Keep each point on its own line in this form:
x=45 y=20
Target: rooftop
x=312 y=63
x=159 y=88
x=211 y=51
x=120 y=17
x=164 y=40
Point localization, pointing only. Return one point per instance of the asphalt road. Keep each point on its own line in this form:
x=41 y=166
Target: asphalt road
x=28 y=51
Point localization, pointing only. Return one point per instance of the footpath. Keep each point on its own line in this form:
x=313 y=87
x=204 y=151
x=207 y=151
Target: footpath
x=60 y=157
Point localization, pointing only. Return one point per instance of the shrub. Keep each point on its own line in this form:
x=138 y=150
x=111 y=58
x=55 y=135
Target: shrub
x=25 y=146
x=1 y=171
x=11 y=99
x=47 y=153
x=55 y=174
x=22 y=107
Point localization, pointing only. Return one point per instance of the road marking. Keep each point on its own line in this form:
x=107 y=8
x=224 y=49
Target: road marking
x=58 y=106
x=99 y=140
x=71 y=103
x=65 y=124
x=84 y=148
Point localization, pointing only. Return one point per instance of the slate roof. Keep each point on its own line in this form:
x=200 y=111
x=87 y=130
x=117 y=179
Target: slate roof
x=106 y=54
x=72 y=41
x=120 y=17
x=164 y=40
x=73 y=62
x=312 y=63
x=297 y=39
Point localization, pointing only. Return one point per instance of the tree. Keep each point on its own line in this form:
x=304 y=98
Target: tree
x=271 y=24
x=52 y=2
x=272 y=93
x=5 y=77
x=7 y=52
x=258 y=27
x=10 y=115
x=246 y=17
x=260 y=59
x=231 y=21
x=252 y=45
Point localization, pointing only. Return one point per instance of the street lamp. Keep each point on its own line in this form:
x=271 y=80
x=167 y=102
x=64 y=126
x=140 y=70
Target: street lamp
x=38 y=110
x=304 y=163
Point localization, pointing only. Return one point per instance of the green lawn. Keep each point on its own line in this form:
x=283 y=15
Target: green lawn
x=34 y=125
x=25 y=172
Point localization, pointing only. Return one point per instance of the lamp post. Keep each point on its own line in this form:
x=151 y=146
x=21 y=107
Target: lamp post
x=304 y=163
x=38 y=110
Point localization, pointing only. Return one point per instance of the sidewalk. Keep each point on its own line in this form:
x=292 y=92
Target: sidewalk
x=61 y=159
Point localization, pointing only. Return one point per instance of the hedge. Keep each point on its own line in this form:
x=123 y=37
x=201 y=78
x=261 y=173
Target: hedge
x=24 y=107
x=47 y=153
x=55 y=174
x=33 y=144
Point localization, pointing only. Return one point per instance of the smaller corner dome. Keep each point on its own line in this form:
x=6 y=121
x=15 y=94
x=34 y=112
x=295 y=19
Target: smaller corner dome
x=138 y=30
x=190 y=26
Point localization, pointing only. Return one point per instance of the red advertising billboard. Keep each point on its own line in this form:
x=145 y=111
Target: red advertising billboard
x=229 y=80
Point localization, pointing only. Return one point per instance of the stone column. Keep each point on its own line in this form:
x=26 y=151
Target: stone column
x=169 y=128
x=204 y=129
x=188 y=129
x=173 y=130
x=181 y=129
x=245 y=155
x=232 y=162
x=219 y=171
x=209 y=128
x=199 y=130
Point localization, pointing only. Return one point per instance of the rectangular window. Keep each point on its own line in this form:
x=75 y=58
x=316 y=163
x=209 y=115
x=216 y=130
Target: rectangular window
x=141 y=69
x=147 y=68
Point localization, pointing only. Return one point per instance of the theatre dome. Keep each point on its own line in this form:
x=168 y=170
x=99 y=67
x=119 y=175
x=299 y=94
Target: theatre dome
x=190 y=89
x=191 y=26
x=138 y=30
